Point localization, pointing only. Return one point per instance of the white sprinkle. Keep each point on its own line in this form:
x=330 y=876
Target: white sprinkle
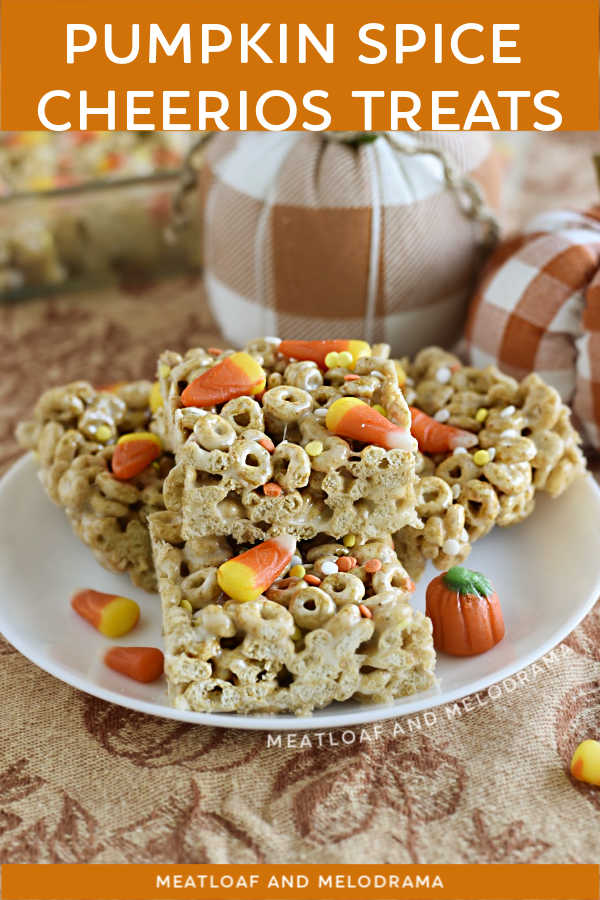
x=410 y=381
x=329 y=567
x=451 y=547
x=443 y=375
x=509 y=433
x=492 y=453
x=377 y=373
x=273 y=340
x=320 y=413
x=508 y=411
x=442 y=415
x=295 y=561
x=464 y=536
x=456 y=491
x=459 y=450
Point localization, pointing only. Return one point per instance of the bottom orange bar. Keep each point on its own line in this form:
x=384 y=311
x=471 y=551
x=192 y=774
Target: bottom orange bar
x=301 y=882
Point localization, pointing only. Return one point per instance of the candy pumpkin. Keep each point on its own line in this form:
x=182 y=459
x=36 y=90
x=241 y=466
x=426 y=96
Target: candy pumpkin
x=465 y=612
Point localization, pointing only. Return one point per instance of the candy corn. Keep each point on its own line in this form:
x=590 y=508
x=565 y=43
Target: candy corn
x=143 y=664
x=585 y=765
x=134 y=453
x=317 y=351
x=352 y=418
x=246 y=576
x=235 y=376
x=113 y=616
x=434 y=437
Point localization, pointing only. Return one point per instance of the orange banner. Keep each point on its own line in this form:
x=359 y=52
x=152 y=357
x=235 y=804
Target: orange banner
x=298 y=882
x=267 y=65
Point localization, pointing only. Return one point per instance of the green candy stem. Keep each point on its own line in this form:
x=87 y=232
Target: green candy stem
x=466 y=581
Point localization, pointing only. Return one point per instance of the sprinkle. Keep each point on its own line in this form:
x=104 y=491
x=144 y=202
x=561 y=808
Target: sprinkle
x=481 y=458
x=377 y=374
x=185 y=604
x=215 y=351
x=273 y=340
x=272 y=489
x=312 y=579
x=296 y=634
x=492 y=452
x=156 y=465
x=456 y=491
x=351 y=377
x=379 y=408
x=296 y=560
x=346 y=563
x=329 y=567
x=481 y=414
x=267 y=443
x=409 y=585
x=401 y=374
x=451 y=547
x=458 y=450
x=410 y=381
x=103 y=434
x=442 y=415
x=509 y=433
x=349 y=540
x=164 y=370
x=314 y=448
x=365 y=611
x=443 y=375
x=372 y=566
x=297 y=572
x=320 y=413
x=464 y=536
x=508 y=411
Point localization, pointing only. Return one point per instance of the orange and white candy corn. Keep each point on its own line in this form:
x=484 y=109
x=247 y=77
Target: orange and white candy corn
x=350 y=417
x=246 y=576
x=435 y=437
x=585 y=765
x=143 y=664
x=134 y=453
x=238 y=375
x=318 y=351
x=113 y=616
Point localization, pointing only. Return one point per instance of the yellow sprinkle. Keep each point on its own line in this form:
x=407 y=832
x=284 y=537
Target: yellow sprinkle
x=380 y=409
x=185 y=604
x=155 y=399
x=332 y=360
x=345 y=359
x=314 y=448
x=297 y=572
x=296 y=634
x=481 y=458
x=164 y=370
x=481 y=414
x=401 y=374
x=349 y=540
x=103 y=434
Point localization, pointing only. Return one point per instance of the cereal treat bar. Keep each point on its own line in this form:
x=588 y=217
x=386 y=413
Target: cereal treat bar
x=75 y=432
x=523 y=441
x=260 y=465
x=337 y=625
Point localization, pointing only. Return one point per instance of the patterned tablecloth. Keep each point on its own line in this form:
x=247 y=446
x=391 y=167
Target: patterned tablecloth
x=84 y=781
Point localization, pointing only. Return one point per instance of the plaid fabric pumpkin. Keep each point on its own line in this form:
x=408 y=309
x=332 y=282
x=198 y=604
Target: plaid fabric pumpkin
x=319 y=235
x=537 y=308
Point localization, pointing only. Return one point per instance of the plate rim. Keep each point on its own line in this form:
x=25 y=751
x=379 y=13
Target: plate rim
x=272 y=723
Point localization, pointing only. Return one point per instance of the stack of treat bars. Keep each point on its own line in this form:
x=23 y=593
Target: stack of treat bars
x=366 y=466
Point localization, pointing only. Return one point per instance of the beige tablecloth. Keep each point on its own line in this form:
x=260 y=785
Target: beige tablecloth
x=84 y=781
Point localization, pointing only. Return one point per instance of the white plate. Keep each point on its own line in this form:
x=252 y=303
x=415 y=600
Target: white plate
x=546 y=572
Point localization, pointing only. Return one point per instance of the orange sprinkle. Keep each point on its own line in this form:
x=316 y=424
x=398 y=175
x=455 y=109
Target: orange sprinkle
x=351 y=377
x=372 y=566
x=365 y=611
x=268 y=444
x=312 y=579
x=346 y=563
x=215 y=351
x=272 y=489
x=410 y=585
